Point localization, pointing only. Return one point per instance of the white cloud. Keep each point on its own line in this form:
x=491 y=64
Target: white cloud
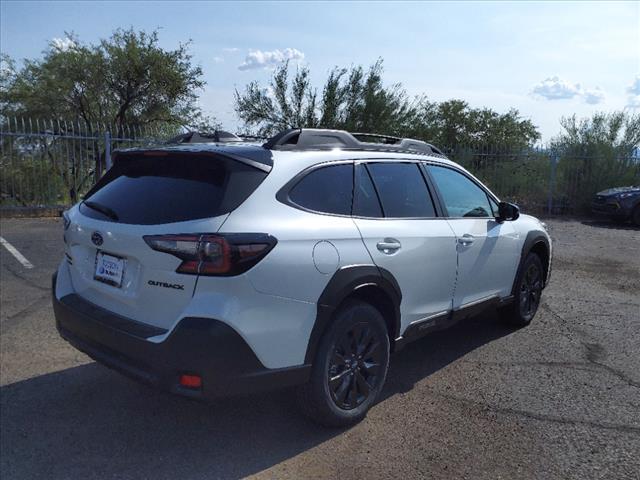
x=593 y=97
x=259 y=59
x=231 y=49
x=63 y=44
x=218 y=59
x=633 y=90
x=555 y=88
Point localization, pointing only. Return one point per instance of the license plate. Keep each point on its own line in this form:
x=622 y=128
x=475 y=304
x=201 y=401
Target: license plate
x=109 y=269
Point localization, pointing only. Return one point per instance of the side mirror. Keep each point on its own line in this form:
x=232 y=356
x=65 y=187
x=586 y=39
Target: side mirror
x=507 y=212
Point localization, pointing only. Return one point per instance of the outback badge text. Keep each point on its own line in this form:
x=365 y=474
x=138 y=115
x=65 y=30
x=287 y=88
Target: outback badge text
x=155 y=283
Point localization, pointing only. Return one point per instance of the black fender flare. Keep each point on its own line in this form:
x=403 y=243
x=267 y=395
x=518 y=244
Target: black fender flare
x=344 y=282
x=534 y=237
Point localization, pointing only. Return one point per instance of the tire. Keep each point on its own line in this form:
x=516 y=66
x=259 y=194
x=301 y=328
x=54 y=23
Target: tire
x=527 y=291
x=354 y=351
x=635 y=216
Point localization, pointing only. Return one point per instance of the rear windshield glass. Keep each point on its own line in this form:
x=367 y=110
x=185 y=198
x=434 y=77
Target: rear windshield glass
x=154 y=190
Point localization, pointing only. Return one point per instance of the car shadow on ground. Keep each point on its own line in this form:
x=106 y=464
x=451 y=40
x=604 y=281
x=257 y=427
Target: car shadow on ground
x=90 y=422
x=610 y=225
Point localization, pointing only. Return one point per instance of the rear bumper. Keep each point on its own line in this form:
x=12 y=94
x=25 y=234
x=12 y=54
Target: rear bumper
x=202 y=346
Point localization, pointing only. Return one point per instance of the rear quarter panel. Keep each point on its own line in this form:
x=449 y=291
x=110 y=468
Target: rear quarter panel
x=290 y=270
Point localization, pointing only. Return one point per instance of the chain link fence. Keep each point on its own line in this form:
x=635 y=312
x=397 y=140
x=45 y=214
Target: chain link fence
x=53 y=163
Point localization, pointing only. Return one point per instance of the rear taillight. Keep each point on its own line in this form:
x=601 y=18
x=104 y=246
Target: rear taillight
x=207 y=254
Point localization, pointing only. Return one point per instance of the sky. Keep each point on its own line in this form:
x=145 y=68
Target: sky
x=545 y=59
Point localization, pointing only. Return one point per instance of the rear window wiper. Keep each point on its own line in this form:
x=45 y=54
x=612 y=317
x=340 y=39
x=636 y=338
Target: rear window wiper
x=103 y=209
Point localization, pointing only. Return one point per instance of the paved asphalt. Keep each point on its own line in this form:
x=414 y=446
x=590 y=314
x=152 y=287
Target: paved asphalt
x=559 y=399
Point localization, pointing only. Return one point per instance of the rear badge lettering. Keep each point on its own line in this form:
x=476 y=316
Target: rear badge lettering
x=155 y=283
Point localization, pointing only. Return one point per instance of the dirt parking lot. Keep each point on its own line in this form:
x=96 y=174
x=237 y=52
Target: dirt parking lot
x=559 y=399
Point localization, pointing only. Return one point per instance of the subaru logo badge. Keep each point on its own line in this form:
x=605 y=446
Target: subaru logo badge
x=97 y=239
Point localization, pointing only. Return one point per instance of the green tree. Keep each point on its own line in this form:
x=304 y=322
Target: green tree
x=126 y=83
x=358 y=100
x=454 y=124
x=280 y=106
x=352 y=99
x=127 y=79
x=602 y=133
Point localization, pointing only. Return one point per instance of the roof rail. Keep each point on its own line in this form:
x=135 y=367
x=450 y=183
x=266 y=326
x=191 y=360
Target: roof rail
x=318 y=139
x=388 y=139
x=251 y=138
x=218 y=136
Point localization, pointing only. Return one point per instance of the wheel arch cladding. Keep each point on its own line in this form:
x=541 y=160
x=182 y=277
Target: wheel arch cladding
x=538 y=243
x=369 y=283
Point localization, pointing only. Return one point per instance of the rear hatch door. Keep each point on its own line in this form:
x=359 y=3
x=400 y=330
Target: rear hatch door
x=144 y=194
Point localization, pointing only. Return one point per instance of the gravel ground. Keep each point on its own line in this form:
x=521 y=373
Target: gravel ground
x=558 y=399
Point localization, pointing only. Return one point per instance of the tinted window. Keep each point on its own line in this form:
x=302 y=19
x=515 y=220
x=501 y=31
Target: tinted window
x=154 y=190
x=402 y=189
x=365 y=199
x=461 y=196
x=327 y=190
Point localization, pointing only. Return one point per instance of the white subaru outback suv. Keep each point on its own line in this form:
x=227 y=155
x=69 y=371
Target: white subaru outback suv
x=216 y=268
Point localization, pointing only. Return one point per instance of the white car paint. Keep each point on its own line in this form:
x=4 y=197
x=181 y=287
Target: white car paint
x=488 y=256
x=273 y=306
x=424 y=265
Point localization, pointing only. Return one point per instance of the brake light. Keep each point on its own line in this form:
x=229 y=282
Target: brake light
x=191 y=381
x=207 y=254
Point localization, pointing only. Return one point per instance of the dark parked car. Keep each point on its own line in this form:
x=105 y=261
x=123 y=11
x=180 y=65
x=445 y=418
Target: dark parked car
x=620 y=204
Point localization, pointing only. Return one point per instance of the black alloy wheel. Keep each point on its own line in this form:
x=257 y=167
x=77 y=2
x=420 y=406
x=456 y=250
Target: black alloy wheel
x=527 y=292
x=349 y=368
x=354 y=367
x=530 y=290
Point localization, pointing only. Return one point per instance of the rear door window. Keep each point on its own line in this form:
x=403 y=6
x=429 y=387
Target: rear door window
x=326 y=190
x=402 y=189
x=156 y=190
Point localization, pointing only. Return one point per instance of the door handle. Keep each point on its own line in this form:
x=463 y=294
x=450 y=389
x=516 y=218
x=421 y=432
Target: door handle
x=466 y=239
x=389 y=246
